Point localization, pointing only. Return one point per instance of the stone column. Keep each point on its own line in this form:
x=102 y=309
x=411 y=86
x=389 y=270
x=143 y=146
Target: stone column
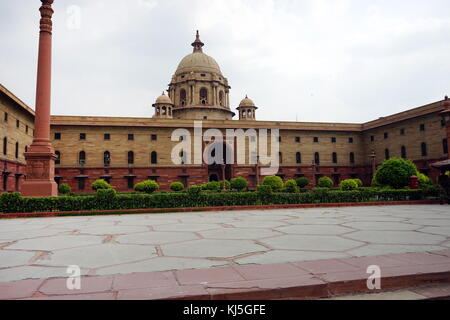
x=41 y=157
x=446 y=117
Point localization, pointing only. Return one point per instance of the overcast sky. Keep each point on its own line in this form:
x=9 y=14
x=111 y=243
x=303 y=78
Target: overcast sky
x=311 y=60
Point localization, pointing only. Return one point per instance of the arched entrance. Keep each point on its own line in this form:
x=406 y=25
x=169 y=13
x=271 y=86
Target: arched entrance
x=219 y=169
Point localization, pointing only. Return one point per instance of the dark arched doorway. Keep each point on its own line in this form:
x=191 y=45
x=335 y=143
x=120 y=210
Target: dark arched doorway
x=218 y=167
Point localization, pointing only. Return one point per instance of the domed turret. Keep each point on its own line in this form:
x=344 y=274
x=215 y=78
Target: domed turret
x=198 y=89
x=247 y=109
x=163 y=107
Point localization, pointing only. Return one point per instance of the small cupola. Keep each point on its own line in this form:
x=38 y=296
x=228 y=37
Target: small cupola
x=247 y=109
x=163 y=107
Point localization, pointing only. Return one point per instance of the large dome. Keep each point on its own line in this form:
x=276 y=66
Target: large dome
x=198 y=62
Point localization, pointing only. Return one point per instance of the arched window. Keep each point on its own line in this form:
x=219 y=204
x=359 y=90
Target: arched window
x=5 y=145
x=280 y=157
x=154 y=157
x=445 y=145
x=82 y=158
x=221 y=99
x=243 y=114
x=106 y=158
x=403 y=152
x=352 y=157
x=249 y=114
x=424 y=148
x=334 y=156
x=183 y=97
x=17 y=150
x=130 y=157
x=203 y=96
x=298 y=157
x=183 y=156
x=387 y=155
x=58 y=157
x=317 y=158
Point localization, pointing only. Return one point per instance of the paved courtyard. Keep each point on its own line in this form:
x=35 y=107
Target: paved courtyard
x=108 y=245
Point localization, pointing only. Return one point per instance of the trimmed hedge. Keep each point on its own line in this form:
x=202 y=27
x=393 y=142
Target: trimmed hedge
x=110 y=200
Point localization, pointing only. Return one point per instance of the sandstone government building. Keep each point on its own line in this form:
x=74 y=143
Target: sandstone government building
x=125 y=151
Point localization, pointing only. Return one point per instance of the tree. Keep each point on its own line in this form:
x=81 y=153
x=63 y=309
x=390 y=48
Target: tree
x=325 y=182
x=100 y=184
x=395 y=173
x=238 y=184
x=275 y=182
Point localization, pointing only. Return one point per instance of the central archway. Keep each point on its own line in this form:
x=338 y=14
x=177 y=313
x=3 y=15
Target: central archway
x=218 y=167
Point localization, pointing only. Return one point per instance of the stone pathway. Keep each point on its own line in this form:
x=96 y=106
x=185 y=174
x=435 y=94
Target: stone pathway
x=111 y=245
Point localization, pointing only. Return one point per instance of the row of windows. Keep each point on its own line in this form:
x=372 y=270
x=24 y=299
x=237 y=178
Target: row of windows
x=422 y=128
x=106 y=136
x=106 y=158
x=5 y=118
x=334 y=156
x=16 y=152
x=316 y=139
x=423 y=150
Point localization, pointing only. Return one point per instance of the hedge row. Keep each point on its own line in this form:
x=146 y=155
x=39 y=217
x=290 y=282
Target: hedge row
x=13 y=203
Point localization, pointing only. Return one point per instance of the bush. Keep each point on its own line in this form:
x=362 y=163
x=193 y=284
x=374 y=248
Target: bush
x=424 y=181
x=264 y=190
x=64 y=189
x=302 y=182
x=395 y=173
x=213 y=186
x=194 y=191
x=291 y=186
x=100 y=184
x=148 y=186
x=225 y=185
x=348 y=185
x=238 y=184
x=325 y=182
x=176 y=186
x=275 y=182
x=359 y=182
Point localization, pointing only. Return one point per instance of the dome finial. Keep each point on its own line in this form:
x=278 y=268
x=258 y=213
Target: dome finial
x=197 y=44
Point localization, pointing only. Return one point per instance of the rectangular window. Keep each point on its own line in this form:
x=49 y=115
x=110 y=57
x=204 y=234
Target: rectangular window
x=333 y=140
x=297 y=139
x=26 y=129
x=154 y=137
x=402 y=132
x=107 y=136
x=422 y=127
x=81 y=184
x=279 y=139
x=57 y=136
x=386 y=135
x=17 y=123
x=130 y=137
x=350 y=140
x=82 y=136
x=6 y=117
x=316 y=139
x=372 y=138
x=130 y=182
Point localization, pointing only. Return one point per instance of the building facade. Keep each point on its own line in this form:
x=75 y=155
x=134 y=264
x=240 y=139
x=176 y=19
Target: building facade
x=125 y=151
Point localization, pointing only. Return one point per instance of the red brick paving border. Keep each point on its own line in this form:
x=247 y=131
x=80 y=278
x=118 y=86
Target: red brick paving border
x=203 y=209
x=300 y=280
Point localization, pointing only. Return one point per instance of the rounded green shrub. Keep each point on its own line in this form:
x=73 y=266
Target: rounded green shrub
x=291 y=186
x=106 y=193
x=100 y=184
x=194 y=191
x=176 y=186
x=395 y=173
x=213 y=186
x=358 y=182
x=348 y=185
x=325 y=182
x=64 y=189
x=275 y=182
x=424 y=181
x=302 y=182
x=238 y=184
x=148 y=186
x=225 y=185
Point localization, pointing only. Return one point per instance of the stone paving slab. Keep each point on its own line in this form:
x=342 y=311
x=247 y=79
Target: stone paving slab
x=301 y=280
x=43 y=248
